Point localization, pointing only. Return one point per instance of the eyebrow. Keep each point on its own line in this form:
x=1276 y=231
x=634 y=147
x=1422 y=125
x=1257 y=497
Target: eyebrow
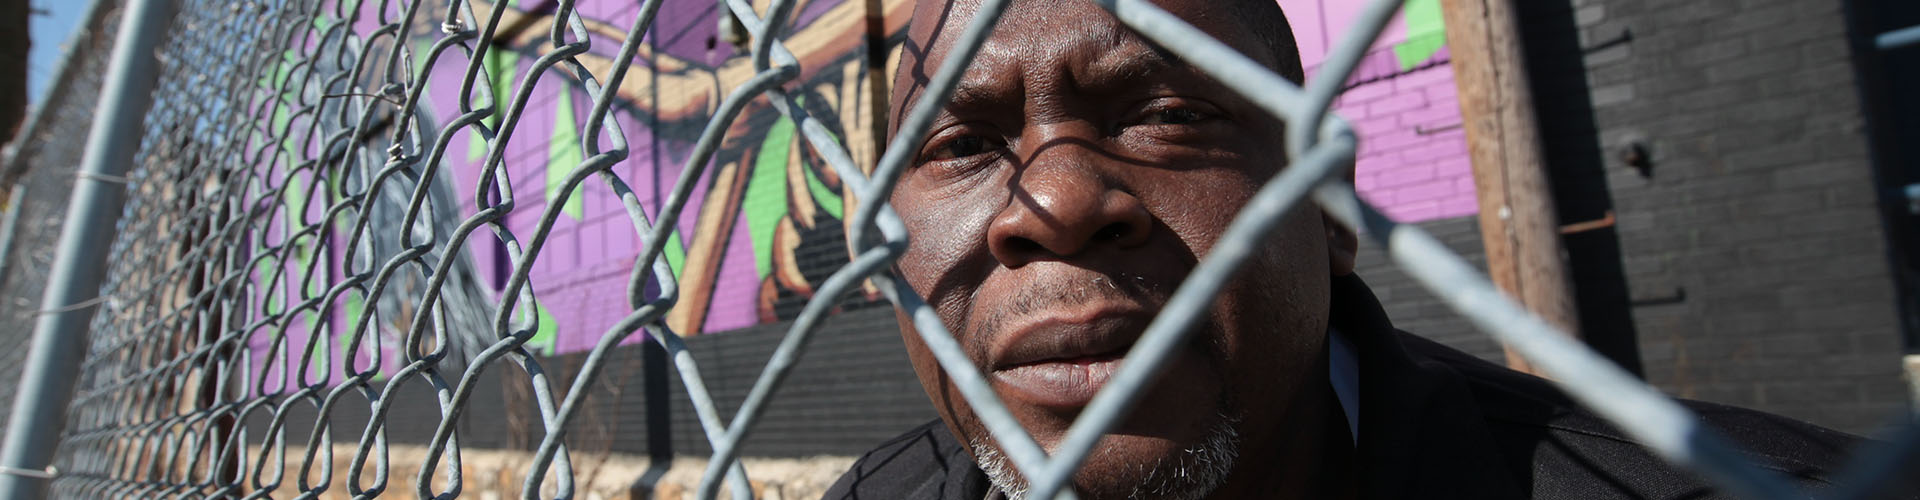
x=973 y=95
x=1140 y=67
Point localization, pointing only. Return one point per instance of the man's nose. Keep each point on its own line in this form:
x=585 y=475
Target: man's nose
x=1069 y=199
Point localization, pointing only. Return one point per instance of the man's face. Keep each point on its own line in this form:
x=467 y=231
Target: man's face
x=1076 y=177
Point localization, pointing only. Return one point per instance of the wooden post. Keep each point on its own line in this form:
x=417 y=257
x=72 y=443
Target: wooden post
x=1517 y=219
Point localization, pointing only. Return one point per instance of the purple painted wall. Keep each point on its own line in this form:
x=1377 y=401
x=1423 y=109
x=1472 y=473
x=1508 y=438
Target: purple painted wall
x=763 y=225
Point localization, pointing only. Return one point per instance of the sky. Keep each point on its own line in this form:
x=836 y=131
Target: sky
x=52 y=21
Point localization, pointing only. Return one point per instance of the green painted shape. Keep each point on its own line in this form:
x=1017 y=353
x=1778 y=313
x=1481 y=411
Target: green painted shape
x=564 y=155
x=824 y=197
x=282 y=123
x=543 y=340
x=355 y=307
x=280 y=71
x=676 y=253
x=316 y=345
x=500 y=64
x=420 y=51
x=1426 y=33
x=262 y=271
x=546 y=330
x=313 y=350
x=295 y=199
x=766 y=199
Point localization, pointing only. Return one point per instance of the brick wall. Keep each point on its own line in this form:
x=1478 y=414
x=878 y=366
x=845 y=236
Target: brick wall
x=1415 y=309
x=1748 y=266
x=1413 y=156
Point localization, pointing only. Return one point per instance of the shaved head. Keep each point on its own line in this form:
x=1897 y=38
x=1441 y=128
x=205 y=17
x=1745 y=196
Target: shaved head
x=1262 y=19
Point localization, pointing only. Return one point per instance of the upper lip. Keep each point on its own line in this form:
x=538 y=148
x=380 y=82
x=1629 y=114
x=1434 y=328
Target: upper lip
x=1100 y=328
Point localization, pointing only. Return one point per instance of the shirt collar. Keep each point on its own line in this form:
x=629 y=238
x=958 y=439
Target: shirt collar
x=1344 y=371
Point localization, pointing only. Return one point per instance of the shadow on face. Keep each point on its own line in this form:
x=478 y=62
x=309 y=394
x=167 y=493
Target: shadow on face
x=1077 y=175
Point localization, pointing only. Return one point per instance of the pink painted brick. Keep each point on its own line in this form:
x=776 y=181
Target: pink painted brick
x=1447 y=92
x=592 y=241
x=1459 y=205
x=1397 y=103
x=1391 y=140
x=1367 y=92
x=1375 y=196
x=1363 y=183
x=1455 y=167
x=1370 y=128
x=1413 y=212
x=1422 y=78
x=1425 y=191
x=1438 y=113
x=1433 y=152
x=1403 y=175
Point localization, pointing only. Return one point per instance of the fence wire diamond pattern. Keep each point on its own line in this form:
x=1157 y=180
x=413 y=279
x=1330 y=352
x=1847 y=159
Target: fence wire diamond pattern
x=286 y=129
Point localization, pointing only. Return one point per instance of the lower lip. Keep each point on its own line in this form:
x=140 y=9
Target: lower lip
x=1069 y=383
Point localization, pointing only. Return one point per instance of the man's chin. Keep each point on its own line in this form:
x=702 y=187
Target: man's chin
x=1132 y=466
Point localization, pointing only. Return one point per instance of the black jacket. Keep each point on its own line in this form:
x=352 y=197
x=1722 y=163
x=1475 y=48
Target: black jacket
x=1435 y=423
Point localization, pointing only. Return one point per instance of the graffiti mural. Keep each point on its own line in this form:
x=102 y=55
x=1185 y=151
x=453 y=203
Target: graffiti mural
x=764 y=226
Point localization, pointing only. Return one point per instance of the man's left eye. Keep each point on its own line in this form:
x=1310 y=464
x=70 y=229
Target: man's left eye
x=1175 y=116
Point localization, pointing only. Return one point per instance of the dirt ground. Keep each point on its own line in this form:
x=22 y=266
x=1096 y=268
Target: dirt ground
x=497 y=475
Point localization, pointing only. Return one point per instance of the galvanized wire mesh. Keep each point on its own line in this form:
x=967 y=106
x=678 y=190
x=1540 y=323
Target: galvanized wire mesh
x=288 y=129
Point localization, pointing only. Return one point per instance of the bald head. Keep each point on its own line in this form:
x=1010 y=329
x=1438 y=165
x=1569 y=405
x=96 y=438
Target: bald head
x=936 y=24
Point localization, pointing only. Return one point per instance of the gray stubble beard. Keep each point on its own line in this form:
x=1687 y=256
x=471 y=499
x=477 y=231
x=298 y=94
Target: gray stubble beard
x=1191 y=475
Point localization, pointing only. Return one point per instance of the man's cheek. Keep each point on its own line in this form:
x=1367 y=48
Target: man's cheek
x=945 y=234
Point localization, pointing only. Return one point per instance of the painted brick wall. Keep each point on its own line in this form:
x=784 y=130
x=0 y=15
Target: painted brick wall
x=1413 y=155
x=1747 y=269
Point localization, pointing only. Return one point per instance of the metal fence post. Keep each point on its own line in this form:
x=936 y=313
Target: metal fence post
x=60 y=335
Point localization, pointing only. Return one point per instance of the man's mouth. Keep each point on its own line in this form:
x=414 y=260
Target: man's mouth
x=1060 y=382
x=1062 y=361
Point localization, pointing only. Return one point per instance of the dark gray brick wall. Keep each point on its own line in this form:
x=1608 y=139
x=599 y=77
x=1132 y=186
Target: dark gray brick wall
x=852 y=388
x=1751 y=259
x=1414 y=308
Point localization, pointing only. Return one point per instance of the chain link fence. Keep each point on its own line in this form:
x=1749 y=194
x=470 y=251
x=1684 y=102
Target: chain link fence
x=289 y=190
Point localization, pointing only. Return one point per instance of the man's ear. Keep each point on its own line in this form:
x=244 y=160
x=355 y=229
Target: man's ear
x=1342 y=247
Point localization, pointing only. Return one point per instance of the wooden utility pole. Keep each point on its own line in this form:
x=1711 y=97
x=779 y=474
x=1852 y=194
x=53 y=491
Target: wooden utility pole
x=1517 y=219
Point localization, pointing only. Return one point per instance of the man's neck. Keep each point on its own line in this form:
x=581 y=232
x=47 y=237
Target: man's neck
x=1309 y=452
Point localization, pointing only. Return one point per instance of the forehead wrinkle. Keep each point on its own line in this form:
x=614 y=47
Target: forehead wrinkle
x=1132 y=60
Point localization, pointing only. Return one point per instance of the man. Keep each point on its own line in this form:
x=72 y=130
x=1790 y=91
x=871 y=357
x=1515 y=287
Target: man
x=1076 y=177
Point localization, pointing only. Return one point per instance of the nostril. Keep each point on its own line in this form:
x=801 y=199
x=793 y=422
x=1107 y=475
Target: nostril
x=1113 y=232
x=1022 y=245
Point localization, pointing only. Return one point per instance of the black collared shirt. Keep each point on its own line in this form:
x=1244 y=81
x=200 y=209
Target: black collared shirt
x=1438 y=424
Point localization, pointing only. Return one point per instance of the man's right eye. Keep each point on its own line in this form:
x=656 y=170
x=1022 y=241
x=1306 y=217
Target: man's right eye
x=959 y=147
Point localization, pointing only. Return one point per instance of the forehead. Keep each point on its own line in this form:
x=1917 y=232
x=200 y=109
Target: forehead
x=1032 y=30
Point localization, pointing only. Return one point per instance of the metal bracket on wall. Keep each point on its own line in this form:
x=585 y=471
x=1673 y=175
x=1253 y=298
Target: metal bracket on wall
x=1426 y=130
x=1581 y=227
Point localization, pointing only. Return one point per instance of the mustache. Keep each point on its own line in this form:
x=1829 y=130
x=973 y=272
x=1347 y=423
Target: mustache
x=1043 y=295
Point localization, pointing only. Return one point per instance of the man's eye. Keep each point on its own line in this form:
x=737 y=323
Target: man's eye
x=961 y=147
x=1174 y=116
